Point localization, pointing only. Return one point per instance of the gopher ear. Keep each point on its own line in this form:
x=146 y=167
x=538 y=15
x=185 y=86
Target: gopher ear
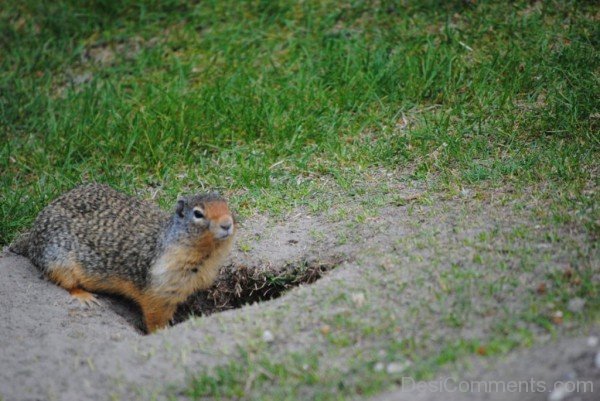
x=179 y=208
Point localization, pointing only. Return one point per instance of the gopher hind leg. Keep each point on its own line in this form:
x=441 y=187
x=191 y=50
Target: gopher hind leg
x=84 y=297
x=70 y=277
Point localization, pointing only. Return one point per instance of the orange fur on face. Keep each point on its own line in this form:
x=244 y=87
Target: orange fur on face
x=215 y=211
x=218 y=213
x=184 y=269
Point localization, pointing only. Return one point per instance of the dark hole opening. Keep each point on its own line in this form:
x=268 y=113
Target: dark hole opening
x=238 y=285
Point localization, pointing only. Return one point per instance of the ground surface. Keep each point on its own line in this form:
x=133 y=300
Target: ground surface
x=453 y=283
x=436 y=162
x=560 y=370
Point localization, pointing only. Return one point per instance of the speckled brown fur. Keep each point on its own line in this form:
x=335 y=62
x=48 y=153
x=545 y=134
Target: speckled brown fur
x=95 y=239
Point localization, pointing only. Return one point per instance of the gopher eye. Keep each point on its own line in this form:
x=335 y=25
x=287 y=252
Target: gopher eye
x=198 y=214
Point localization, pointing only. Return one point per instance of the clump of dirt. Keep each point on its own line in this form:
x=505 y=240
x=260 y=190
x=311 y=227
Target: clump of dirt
x=239 y=285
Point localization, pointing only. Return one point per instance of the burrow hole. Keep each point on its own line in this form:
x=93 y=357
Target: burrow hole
x=239 y=285
x=236 y=286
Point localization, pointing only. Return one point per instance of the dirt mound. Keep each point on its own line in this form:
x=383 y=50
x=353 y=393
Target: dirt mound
x=423 y=275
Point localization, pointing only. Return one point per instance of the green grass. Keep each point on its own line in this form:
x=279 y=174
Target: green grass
x=302 y=377
x=273 y=101
x=262 y=99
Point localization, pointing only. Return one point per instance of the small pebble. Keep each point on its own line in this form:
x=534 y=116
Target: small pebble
x=397 y=367
x=559 y=393
x=268 y=336
x=378 y=367
x=557 y=317
x=325 y=329
x=358 y=298
x=82 y=78
x=592 y=341
x=576 y=305
x=541 y=288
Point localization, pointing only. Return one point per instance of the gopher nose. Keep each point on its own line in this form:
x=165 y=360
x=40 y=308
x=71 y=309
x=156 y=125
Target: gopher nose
x=226 y=226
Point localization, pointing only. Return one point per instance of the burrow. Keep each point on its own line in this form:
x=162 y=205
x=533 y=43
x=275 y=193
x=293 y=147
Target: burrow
x=238 y=285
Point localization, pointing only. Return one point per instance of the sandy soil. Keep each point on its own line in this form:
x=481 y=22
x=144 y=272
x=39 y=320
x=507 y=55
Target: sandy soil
x=51 y=348
x=562 y=370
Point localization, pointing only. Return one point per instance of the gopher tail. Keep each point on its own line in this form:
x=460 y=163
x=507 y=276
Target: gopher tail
x=20 y=245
